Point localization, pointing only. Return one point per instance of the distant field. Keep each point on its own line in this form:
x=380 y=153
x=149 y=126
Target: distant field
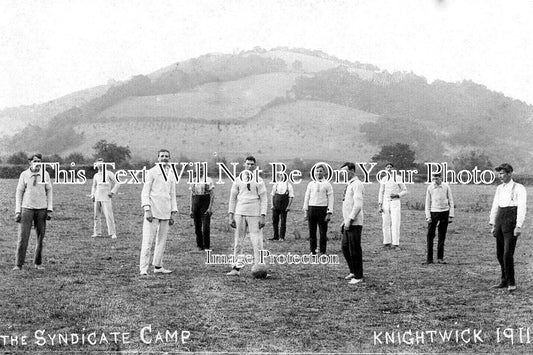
x=92 y=285
x=285 y=131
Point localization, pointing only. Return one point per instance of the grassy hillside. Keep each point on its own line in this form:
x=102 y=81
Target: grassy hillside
x=305 y=129
x=230 y=100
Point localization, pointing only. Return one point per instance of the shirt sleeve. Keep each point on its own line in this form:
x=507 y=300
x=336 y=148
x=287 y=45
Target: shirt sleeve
x=381 y=192
x=357 y=200
x=403 y=189
x=147 y=187
x=494 y=208
x=21 y=187
x=93 y=187
x=263 y=197
x=49 y=193
x=450 y=202
x=233 y=197
x=428 y=202
x=116 y=185
x=291 y=190
x=173 y=202
x=307 y=195
x=331 y=200
x=520 y=190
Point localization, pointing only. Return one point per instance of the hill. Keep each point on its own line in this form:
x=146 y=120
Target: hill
x=217 y=102
x=14 y=119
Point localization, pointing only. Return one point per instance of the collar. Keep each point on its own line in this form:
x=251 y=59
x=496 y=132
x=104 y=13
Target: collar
x=355 y=178
x=508 y=183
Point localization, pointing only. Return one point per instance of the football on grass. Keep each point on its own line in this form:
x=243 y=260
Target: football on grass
x=259 y=271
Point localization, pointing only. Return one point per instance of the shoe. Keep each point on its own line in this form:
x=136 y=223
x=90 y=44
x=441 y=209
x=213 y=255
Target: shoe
x=396 y=247
x=500 y=285
x=114 y=236
x=511 y=288
x=143 y=273
x=273 y=238
x=16 y=268
x=355 y=281
x=282 y=239
x=162 y=270
x=386 y=246
x=427 y=262
x=349 y=276
x=440 y=261
x=39 y=267
x=233 y=272
x=96 y=236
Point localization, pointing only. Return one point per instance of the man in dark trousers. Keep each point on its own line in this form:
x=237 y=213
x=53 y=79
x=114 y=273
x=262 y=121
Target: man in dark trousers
x=318 y=207
x=202 y=197
x=352 y=226
x=281 y=198
x=507 y=215
x=33 y=206
x=439 y=211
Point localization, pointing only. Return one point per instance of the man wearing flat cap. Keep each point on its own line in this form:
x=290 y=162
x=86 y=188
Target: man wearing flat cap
x=33 y=206
x=506 y=218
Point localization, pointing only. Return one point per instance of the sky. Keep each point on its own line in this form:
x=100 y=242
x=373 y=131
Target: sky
x=52 y=48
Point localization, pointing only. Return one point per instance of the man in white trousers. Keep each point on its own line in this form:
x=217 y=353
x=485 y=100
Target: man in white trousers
x=158 y=199
x=389 y=198
x=247 y=210
x=102 y=191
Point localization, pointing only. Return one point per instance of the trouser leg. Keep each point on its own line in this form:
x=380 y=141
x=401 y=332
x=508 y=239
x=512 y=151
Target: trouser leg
x=160 y=242
x=395 y=216
x=386 y=222
x=206 y=230
x=443 y=227
x=149 y=231
x=240 y=232
x=39 y=220
x=275 y=222
x=313 y=224
x=26 y=220
x=256 y=237
x=432 y=226
x=97 y=230
x=356 y=252
x=283 y=224
x=107 y=209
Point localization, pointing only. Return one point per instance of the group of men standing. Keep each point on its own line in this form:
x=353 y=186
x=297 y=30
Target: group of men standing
x=248 y=207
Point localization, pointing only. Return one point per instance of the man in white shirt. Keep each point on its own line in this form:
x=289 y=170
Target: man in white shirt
x=33 y=206
x=318 y=207
x=247 y=210
x=158 y=200
x=352 y=225
x=202 y=197
x=507 y=216
x=101 y=193
x=439 y=210
x=281 y=200
x=389 y=200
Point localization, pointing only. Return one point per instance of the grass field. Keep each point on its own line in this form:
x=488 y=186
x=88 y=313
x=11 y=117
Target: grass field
x=92 y=286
